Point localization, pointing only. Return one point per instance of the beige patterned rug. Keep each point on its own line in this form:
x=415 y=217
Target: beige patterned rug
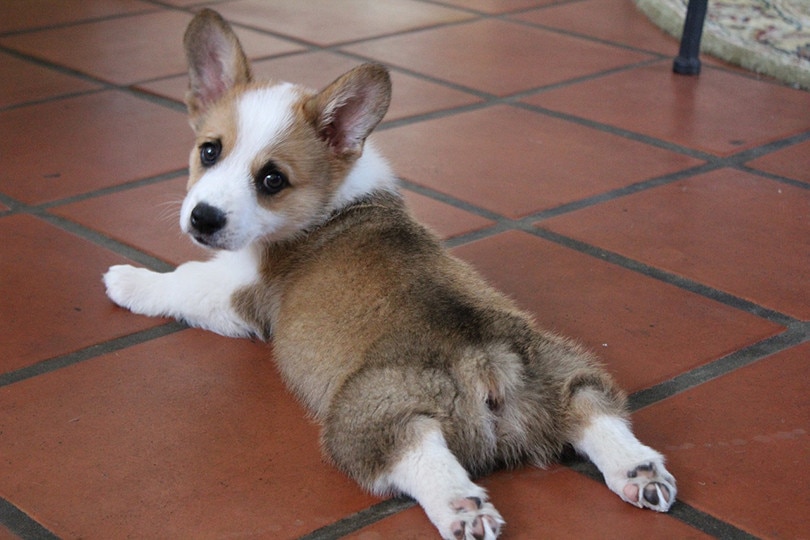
x=771 y=37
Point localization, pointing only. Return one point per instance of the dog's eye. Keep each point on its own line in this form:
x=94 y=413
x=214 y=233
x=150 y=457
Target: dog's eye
x=270 y=180
x=209 y=152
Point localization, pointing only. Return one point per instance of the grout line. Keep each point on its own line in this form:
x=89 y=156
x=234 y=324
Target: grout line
x=528 y=225
x=154 y=98
x=795 y=334
x=617 y=193
x=109 y=190
x=313 y=46
x=361 y=519
x=91 y=235
x=88 y=353
x=665 y=276
x=449 y=199
x=14 y=206
x=21 y=524
x=680 y=510
x=102 y=85
x=100 y=239
x=89 y=20
x=621 y=132
x=52 y=99
x=707 y=523
x=587 y=37
x=766 y=148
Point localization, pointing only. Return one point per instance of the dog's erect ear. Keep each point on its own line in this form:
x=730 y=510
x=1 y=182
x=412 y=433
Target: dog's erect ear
x=347 y=110
x=216 y=61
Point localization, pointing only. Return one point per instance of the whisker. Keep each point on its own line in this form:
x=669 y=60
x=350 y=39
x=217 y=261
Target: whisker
x=169 y=210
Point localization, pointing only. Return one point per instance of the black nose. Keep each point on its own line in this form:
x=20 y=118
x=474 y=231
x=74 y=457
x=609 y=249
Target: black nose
x=206 y=219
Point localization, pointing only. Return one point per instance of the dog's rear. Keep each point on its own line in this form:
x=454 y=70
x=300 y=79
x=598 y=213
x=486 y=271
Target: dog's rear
x=420 y=373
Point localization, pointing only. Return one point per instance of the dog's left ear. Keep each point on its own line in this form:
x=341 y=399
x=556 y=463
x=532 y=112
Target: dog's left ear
x=347 y=110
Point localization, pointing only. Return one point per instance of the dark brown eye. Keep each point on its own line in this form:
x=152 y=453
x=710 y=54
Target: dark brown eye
x=271 y=180
x=209 y=153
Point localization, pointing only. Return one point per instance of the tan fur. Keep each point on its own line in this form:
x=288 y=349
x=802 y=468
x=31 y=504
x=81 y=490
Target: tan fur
x=217 y=124
x=378 y=327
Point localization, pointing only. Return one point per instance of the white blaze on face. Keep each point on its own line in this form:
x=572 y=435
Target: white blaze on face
x=264 y=116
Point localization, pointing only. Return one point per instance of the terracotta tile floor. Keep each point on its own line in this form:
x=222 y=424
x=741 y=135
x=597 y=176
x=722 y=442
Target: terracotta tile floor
x=664 y=221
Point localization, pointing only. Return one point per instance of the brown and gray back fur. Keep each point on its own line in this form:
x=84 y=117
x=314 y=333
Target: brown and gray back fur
x=377 y=329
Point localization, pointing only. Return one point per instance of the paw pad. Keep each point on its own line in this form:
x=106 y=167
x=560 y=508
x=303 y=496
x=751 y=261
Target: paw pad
x=477 y=520
x=650 y=486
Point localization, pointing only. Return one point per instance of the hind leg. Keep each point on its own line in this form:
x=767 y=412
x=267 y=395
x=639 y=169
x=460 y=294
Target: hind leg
x=384 y=429
x=430 y=473
x=633 y=471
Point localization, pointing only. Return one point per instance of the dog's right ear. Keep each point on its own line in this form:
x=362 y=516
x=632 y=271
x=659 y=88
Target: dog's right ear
x=216 y=61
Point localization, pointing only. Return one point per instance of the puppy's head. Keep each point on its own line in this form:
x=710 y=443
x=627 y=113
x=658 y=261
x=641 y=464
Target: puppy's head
x=270 y=158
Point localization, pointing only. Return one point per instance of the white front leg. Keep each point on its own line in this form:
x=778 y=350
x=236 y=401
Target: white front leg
x=198 y=293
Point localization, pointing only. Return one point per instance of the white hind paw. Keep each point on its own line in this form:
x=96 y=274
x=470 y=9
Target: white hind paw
x=633 y=471
x=475 y=519
x=649 y=485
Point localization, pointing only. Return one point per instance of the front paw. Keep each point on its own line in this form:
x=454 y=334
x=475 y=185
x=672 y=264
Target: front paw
x=130 y=287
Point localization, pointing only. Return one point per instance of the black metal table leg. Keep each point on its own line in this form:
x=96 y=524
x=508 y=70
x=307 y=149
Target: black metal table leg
x=687 y=62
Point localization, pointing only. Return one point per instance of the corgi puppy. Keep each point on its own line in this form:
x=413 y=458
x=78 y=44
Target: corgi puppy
x=420 y=374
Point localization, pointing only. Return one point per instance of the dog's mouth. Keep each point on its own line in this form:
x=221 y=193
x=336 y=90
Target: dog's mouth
x=202 y=240
x=215 y=241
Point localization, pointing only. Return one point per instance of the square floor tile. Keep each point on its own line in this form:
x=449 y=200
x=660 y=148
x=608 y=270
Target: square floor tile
x=645 y=330
x=17 y=15
x=495 y=56
x=554 y=503
x=791 y=162
x=53 y=301
x=146 y=218
x=718 y=112
x=188 y=436
x=325 y=22
x=733 y=231
x=80 y=144
x=129 y=49
x=411 y=95
x=738 y=445
x=34 y=83
x=628 y=26
x=516 y=162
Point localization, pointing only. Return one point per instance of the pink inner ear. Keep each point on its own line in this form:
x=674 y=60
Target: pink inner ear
x=349 y=124
x=213 y=67
x=212 y=80
x=351 y=107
